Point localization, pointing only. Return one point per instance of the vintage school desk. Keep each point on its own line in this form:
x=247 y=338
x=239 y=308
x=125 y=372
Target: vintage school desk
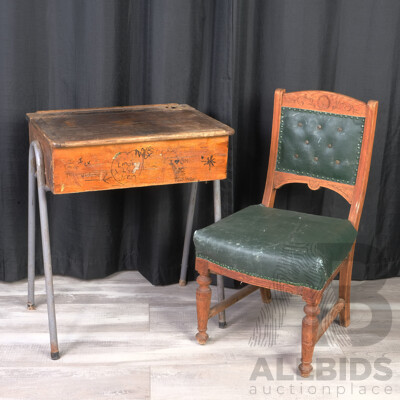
x=85 y=150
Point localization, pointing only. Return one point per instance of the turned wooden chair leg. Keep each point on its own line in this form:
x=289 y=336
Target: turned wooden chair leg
x=344 y=289
x=203 y=300
x=265 y=295
x=308 y=337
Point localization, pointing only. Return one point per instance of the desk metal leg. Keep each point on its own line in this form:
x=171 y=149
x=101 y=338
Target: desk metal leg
x=220 y=278
x=31 y=230
x=188 y=234
x=36 y=157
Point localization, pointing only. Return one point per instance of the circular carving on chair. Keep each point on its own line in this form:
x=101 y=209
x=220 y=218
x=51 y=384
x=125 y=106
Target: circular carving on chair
x=313 y=185
x=323 y=102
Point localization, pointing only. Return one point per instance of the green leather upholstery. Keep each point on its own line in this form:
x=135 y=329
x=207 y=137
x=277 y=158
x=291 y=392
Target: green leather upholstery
x=319 y=144
x=278 y=245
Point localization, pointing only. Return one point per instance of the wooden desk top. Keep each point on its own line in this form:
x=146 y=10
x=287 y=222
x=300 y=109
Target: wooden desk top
x=91 y=127
x=120 y=147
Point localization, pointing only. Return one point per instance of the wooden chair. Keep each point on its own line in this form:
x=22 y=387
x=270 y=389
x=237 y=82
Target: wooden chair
x=322 y=139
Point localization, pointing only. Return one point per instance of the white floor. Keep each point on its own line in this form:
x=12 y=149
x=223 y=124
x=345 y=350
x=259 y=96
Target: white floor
x=122 y=338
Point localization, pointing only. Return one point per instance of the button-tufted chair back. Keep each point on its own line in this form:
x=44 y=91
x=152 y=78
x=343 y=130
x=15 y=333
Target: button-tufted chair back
x=322 y=139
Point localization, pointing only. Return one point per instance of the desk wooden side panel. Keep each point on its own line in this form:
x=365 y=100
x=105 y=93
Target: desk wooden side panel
x=116 y=166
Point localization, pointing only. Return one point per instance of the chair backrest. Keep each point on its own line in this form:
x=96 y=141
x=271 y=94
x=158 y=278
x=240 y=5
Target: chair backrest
x=322 y=139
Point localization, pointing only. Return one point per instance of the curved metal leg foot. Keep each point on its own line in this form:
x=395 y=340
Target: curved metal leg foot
x=48 y=273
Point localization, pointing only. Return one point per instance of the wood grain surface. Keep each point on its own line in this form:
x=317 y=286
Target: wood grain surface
x=94 y=127
x=117 y=166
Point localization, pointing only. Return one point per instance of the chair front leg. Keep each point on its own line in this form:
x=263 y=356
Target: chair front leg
x=203 y=300
x=308 y=337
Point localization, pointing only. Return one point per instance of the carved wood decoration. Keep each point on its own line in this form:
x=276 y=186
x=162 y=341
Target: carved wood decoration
x=325 y=101
x=118 y=166
x=283 y=178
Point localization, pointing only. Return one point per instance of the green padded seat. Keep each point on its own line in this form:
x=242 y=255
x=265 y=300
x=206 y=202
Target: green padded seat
x=278 y=245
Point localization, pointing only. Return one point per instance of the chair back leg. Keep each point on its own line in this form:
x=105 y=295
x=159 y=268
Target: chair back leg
x=344 y=288
x=265 y=295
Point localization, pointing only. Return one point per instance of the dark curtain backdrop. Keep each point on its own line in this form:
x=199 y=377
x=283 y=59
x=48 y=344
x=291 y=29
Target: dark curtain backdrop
x=223 y=57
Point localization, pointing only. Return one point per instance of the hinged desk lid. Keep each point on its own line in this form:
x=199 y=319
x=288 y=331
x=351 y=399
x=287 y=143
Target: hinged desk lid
x=91 y=127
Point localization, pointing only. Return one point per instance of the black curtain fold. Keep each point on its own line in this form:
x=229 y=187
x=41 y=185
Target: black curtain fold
x=223 y=57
